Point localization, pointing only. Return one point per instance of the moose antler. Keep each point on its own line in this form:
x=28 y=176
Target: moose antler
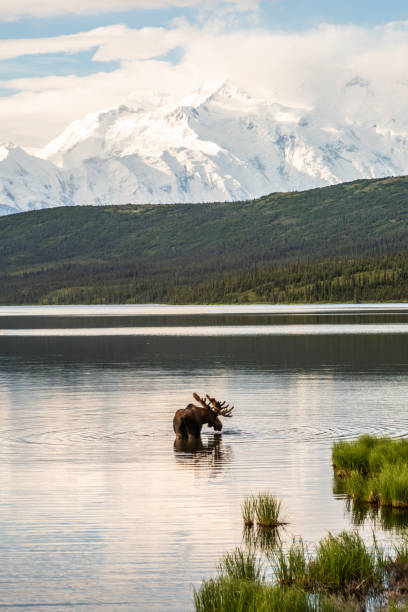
x=220 y=407
x=201 y=401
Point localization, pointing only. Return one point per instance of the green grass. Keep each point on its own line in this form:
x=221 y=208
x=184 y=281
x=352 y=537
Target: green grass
x=374 y=470
x=368 y=454
x=265 y=508
x=240 y=565
x=342 y=574
x=392 y=485
x=353 y=456
x=341 y=563
x=344 y=562
x=228 y=595
x=268 y=510
x=290 y=567
x=231 y=595
x=248 y=511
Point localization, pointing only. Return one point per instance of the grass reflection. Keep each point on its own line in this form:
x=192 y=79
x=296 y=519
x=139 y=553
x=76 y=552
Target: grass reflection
x=381 y=517
x=259 y=538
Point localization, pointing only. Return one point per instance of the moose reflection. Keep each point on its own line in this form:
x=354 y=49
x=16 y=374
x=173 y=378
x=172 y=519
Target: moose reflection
x=188 y=422
x=204 y=459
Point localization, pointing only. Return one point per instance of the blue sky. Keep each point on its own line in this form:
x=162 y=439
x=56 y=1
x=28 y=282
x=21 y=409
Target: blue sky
x=50 y=49
x=275 y=14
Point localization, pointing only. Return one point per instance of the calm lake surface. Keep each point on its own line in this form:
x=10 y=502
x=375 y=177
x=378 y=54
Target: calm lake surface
x=97 y=507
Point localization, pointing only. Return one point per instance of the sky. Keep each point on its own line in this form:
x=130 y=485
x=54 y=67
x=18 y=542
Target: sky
x=62 y=59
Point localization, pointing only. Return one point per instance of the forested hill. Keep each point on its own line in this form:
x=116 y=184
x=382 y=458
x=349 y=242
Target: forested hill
x=156 y=253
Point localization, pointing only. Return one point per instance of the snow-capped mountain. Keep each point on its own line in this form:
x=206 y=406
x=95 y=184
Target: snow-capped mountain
x=213 y=146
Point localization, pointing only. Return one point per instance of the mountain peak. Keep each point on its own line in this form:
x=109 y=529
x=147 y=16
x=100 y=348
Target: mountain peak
x=218 y=143
x=213 y=91
x=7 y=148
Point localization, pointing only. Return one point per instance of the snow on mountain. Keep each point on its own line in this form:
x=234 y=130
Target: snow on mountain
x=28 y=183
x=216 y=144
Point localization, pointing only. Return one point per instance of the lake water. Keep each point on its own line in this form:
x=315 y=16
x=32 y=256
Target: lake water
x=97 y=507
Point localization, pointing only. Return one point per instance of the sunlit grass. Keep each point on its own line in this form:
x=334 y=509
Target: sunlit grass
x=268 y=510
x=392 y=486
x=265 y=508
x=369 y=454
x=240 y=565
x=374 y=470
x=344 y=562
x=290 y=567
x=248 y=511
x=341 y=563
x=342 y=573
x=229 y=595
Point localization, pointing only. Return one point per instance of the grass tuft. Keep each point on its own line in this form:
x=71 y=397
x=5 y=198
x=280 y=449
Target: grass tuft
x=229 y=595
x=343 y=574
x=373 y=470
x=291 y=567
x=240 y=565
x=248 y=511
x=344 y=562
x=268 y=510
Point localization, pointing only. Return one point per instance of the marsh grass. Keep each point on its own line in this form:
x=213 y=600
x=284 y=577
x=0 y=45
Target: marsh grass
x=345 y=563
x=356 y=486
x=341 y=563
x=291 y=567
x=230 y=595
x=401 y=549
x=392 y=485
x=375 y=470
x=268 y=510
x=342 y=574
x=368 y=454
x=349 y=456
x=248 y=511
x=240 y=565
x=265 y=508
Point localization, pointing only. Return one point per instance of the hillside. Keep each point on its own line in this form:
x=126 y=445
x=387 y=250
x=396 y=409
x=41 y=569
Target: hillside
x=142 y=253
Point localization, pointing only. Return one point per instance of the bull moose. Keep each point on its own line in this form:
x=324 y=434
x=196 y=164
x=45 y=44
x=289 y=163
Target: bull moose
x=188 y=422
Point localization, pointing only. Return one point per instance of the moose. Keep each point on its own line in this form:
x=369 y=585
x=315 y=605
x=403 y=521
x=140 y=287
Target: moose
x=188 y=422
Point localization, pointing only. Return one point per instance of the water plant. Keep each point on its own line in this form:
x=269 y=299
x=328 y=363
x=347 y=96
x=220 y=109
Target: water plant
x=373 y=470
x=356 y=486
x=341 y=563
x=344 y=562
x=248 y=511
x=349 y=456
x=268 y=510
x=240 y=565
x=290 y=567
x=392 y=485
x=342 y=574
x=368 y=454
x=265 y=507
x=228 y=595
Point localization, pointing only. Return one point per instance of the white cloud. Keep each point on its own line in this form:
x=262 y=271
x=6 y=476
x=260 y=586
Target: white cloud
x=112 y=42
x=299 y=69
x=16 y=9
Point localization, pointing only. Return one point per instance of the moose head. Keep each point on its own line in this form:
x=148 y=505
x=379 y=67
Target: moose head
x=188 y=422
